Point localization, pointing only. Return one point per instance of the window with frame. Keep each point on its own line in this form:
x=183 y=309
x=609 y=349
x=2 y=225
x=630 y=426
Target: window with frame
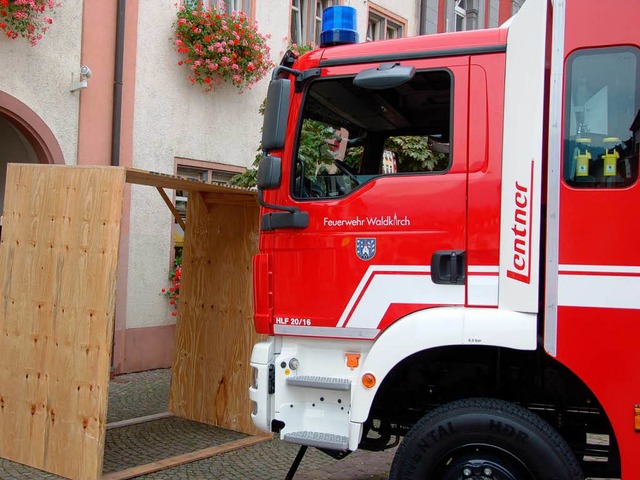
x=460 y=11
x=602 y=118
x=384 y=25
x=229 y=6
x=237 y=6
x=350 y=135
x=306 y=20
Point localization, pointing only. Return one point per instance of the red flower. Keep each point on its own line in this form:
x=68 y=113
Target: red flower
x=173 y=292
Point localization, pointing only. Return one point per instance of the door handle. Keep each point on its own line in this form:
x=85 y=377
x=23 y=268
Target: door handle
x=448 y=267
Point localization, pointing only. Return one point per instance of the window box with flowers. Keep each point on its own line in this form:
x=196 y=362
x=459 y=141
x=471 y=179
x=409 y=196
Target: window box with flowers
x=26 y=18
x=219 y=46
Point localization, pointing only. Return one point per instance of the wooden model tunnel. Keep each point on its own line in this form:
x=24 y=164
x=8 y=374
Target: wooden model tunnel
x=58 y=263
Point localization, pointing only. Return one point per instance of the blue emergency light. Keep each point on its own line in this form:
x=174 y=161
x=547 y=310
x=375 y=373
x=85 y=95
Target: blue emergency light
x=338 y=26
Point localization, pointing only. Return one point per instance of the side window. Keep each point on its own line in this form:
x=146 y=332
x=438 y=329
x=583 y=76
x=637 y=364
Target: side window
x=602 y=122
x=350 y=135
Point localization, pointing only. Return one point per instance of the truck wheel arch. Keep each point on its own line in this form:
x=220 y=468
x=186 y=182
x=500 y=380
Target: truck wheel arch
x=439 y=327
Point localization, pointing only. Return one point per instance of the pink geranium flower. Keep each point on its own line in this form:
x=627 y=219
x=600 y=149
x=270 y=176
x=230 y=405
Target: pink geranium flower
x=26 y=18
x=220 y=47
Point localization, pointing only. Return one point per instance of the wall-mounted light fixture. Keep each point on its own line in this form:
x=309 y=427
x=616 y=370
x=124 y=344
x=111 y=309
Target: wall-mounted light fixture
x=85 y=73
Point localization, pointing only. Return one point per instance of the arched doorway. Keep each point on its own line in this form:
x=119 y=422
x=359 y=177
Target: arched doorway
x=24 y=138
x=14 y=148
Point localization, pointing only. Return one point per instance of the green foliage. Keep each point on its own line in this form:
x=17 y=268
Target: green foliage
x=414 y=154
x=248 y=178
x=353 y=156
x=313 y=148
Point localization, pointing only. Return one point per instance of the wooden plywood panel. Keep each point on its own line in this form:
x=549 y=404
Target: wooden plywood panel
x=58 y=261
x=214 y=332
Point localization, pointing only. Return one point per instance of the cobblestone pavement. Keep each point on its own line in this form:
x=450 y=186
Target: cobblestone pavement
x=147 y=393
x=138 y=394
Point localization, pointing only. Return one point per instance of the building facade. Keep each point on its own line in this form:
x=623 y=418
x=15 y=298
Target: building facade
x=439 y=16
x=134 y=107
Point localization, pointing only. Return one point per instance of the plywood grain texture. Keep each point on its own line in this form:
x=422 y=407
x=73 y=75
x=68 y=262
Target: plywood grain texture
x=58 y=259
x=215 y=332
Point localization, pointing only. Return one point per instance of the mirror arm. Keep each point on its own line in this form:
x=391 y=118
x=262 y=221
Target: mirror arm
x=275 y=207
x=281 y=68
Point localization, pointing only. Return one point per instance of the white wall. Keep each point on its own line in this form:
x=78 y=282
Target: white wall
x=174 y=118
x=40 y=76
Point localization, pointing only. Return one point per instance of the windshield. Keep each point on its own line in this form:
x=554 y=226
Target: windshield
x=349 y=135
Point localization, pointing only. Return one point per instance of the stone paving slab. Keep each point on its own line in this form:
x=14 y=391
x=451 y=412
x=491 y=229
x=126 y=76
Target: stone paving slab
x=128 y=447
x=264 y=461
x=271 y=461
x=138 y=395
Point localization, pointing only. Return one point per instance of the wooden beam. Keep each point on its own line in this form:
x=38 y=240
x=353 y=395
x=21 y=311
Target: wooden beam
x=186 y=458
x=155 y=179
x=229 y=198
x=172 y=207
x=135 y=421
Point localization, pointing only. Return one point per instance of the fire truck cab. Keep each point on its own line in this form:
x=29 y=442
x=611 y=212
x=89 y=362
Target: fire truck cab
x=448 y=251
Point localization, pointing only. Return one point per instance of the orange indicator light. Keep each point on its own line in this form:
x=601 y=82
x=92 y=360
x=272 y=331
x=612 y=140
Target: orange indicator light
x=637 y=418
x=353 y=360
x=368 y=380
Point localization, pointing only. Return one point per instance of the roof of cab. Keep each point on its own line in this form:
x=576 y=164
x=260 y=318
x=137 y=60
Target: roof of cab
x=423 y=46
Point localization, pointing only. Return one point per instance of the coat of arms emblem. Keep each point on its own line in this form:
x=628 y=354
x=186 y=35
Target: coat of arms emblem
x=365 y=248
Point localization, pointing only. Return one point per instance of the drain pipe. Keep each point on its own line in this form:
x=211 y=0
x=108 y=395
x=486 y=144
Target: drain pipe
x=117 y=85
x=423 y=17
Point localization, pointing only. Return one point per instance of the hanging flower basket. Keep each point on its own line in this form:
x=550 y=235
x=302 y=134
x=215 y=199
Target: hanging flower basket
x=26 y=18
x=218 y=47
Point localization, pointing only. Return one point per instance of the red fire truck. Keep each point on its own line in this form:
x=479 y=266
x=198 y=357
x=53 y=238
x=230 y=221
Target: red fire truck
x=449 y=248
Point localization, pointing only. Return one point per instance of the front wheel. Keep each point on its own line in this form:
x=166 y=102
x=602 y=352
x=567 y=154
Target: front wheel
x=483 y=439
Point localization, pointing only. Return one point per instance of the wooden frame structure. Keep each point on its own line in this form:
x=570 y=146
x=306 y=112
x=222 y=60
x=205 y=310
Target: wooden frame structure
x=58 y=261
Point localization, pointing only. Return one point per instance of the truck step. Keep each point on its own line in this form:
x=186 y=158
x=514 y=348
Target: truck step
x=327 y=383
x=318 y=440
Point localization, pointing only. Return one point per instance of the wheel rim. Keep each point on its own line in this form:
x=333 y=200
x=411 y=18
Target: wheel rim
x=480 y=462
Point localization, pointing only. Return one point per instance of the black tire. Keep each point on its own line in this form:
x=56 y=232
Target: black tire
x=460 y=440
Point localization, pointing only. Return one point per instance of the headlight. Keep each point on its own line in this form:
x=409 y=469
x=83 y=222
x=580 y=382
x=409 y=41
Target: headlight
x=254 y=380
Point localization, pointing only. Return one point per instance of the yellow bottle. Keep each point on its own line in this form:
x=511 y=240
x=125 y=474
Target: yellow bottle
x=582 y=158
x=611 y=157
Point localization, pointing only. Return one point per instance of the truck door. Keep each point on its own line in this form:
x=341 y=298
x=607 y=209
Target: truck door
x=597 y=275
x=382 y=174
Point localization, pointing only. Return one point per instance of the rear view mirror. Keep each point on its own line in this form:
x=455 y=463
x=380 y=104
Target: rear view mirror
x=276 y=113
x=387 y=75
x=269 y=172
